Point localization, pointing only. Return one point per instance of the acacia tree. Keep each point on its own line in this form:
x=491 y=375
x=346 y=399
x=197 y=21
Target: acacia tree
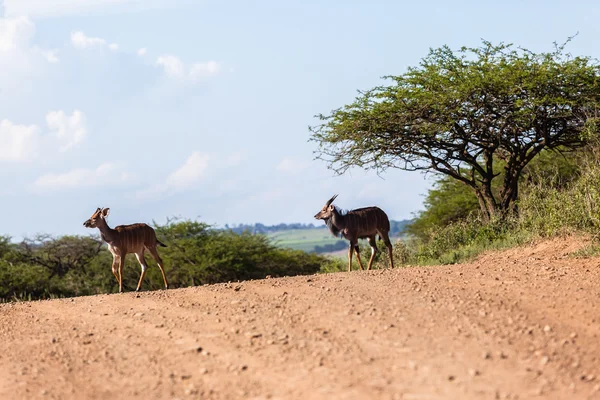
x=60 y=255
x=474 y=114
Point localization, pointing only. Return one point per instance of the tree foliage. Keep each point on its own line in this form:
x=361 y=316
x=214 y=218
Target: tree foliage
x=449 y=201
x=446 y=202
x=466 y=113
x=45 y=266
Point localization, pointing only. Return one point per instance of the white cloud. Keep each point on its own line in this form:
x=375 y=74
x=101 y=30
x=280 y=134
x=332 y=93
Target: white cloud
x=18 y=142
x=174 y=67
x=55 y=8
x=69 y=130
x=235 y=158
x=202 y=70
x=17 y=55
x=22 y=65
x=292 y=166
x=189 y=174
x=142 y=52
x=50 y=55
x=194 y=168
x=81 y=41
x=15 y=33
x=58 y=8
x=177 y=70
x=103 y=175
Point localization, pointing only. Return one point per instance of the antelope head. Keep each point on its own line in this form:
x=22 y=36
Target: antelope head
x=99 y=214
x=327 y=209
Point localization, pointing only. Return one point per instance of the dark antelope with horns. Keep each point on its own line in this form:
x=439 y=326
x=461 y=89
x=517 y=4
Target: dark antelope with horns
x=358 y=224
x=125 y=239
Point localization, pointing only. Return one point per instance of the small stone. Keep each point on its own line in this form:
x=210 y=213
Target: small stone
x=473 y=372
x=544 y=360
x=253 y=335
x=547 y=328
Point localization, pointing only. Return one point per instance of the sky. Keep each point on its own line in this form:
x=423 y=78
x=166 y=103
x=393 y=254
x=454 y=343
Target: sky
x=200 y=109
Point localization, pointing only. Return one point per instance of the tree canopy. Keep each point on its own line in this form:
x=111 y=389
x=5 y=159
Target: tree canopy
x=475 y=115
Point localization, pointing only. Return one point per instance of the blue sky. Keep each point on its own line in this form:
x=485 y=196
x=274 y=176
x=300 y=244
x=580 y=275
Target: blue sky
x=200 y=109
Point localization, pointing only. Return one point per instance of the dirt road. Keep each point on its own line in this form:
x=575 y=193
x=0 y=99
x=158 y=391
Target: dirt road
x=523 y=324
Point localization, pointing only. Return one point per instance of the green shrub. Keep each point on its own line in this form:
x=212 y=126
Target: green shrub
x=46 y=267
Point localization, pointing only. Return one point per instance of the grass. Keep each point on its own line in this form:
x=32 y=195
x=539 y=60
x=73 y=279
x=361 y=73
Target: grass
x=303 y=239
x=591 y=250
x=544 y=211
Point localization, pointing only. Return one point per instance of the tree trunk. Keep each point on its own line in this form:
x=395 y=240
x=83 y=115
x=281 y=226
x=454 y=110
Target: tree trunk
x=482 y=205
x=487 y=203
x=510 y=195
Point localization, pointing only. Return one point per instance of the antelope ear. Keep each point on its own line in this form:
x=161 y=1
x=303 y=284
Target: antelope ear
x=331 y=207
x=105 y=212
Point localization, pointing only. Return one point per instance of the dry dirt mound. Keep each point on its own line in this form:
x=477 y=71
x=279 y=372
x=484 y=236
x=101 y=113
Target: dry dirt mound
x=515 y=324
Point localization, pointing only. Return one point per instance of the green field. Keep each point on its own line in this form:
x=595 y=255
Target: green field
x=303 y=239
x=308 y=239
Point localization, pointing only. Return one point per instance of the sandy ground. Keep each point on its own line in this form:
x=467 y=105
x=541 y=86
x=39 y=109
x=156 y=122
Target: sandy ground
x=518 y=324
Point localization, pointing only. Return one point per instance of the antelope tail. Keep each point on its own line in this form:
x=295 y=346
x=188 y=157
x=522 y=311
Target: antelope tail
x=160 y=243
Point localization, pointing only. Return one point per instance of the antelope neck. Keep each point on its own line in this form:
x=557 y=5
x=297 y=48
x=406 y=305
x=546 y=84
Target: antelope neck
x=337 y=219
x=106 y=232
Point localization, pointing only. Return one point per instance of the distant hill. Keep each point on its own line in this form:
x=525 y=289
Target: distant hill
x=307 y=237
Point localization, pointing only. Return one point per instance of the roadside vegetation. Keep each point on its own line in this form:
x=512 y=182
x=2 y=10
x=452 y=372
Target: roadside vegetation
x=46 y=267
x=511 y=135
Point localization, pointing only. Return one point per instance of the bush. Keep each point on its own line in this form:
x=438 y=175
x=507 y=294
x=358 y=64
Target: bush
x=46 y=267
x=556 y=199
x=453 y=243
x=23 y=281
x=546 y=211
x=197 y=254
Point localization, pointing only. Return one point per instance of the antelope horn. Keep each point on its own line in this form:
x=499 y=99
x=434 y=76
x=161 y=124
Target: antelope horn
x=331 y=200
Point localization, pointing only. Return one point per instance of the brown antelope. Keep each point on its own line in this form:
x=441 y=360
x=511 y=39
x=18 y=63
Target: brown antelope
x=358 y=224
x=125 y=239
